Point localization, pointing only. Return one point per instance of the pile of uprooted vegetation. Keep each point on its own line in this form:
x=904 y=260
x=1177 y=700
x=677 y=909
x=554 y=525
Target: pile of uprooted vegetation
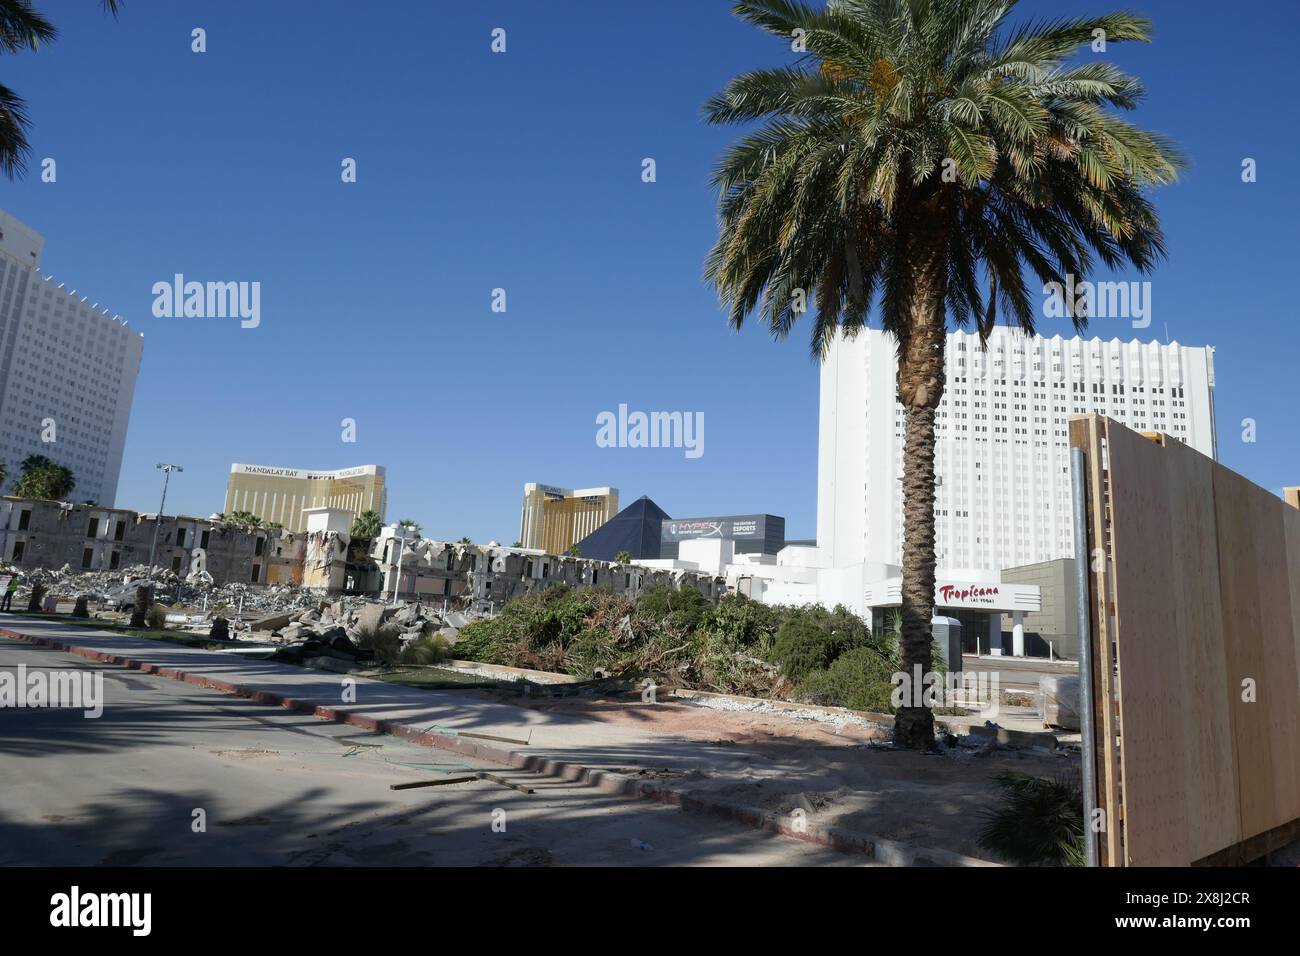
x=739 y=646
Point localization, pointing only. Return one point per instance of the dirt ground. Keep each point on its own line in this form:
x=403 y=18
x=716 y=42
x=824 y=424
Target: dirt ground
x=847 y=776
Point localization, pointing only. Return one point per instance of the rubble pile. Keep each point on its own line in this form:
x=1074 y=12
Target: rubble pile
x=356 y=617
x=196 y=591
x=343 y=634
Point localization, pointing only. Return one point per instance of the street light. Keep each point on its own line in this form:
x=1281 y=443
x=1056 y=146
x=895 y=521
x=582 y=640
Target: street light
x=167 y=474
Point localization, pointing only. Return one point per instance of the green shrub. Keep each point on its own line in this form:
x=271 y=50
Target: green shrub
x=426 y=650
x=812 y=638
x=747 y=624
x=676 y=635
x=666 y=605
x=1038 y=821
x=483 y=641
x=156 y=617
x=860 y=679
x=569 y=630
x=384 y=640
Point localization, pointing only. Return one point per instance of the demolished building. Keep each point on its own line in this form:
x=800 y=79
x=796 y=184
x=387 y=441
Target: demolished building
x=85 y=547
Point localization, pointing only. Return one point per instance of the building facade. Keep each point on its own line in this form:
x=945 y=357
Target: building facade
x=1052 y=630
x=67 y=372
x=554 y=519
x=282 y=495
x=52 y=534
x=1002 y=437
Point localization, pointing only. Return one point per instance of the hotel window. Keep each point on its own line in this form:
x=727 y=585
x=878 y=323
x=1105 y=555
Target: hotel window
x=257 y=573
x=93 y=530
x=86 y=556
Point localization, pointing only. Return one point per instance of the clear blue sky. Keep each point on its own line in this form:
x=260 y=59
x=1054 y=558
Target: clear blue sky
x=522 y=171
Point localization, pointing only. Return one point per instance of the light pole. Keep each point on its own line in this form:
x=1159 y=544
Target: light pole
x=153 y=545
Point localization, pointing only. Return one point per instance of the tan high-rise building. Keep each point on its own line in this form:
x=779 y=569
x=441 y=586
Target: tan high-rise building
x=1292 y=496
x=282 y=494
x=555 y=519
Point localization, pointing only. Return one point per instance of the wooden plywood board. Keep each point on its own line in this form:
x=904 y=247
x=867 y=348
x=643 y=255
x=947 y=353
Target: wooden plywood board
x=1291 y=532
x=1239 y=577
x=1153 y=753
x=1210 y=765
x=1277 y=680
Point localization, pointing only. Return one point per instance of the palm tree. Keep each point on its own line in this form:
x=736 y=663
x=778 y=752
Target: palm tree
x=366 y=525
x=43 y=478
x=917 y=157
x=23 y=28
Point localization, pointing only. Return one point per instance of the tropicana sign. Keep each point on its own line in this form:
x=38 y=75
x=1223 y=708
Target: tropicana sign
x=971 y=593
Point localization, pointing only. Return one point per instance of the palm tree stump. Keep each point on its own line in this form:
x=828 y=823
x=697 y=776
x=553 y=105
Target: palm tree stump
x=35 y=598
x=143 y=598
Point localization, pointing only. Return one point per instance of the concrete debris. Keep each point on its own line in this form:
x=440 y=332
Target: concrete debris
x=116 y=589
x=330 y=635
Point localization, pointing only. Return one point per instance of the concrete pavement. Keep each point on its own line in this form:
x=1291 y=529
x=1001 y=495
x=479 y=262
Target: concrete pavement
x=755 y=769
x=277 y=787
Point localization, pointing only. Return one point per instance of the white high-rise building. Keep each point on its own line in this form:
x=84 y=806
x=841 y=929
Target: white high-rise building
x=1003 y=445
x=67 y=372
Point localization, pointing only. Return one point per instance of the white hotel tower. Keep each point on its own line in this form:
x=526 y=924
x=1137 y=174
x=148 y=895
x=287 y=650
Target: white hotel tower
x=65 y=361
x=1003 y=455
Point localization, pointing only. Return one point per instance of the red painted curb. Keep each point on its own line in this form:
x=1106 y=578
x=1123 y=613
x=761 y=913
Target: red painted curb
x=847 y=841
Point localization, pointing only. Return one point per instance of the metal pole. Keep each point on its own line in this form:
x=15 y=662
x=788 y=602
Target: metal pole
x=153 y=545
x=1082 y=559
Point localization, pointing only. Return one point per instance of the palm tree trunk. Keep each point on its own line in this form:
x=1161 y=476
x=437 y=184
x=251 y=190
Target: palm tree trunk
x=914 y=725
x=920 y=387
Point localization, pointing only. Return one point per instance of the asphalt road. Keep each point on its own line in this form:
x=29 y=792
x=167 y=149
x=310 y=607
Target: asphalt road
x=1020 y=673
x=281 y=788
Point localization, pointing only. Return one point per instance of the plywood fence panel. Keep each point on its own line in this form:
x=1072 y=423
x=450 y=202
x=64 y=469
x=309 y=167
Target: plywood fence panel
x=1210 y=767
x=1204 y=576
x=1243 y=622
x=1276 y=691
x=1291 y=531
x=1153 y=736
